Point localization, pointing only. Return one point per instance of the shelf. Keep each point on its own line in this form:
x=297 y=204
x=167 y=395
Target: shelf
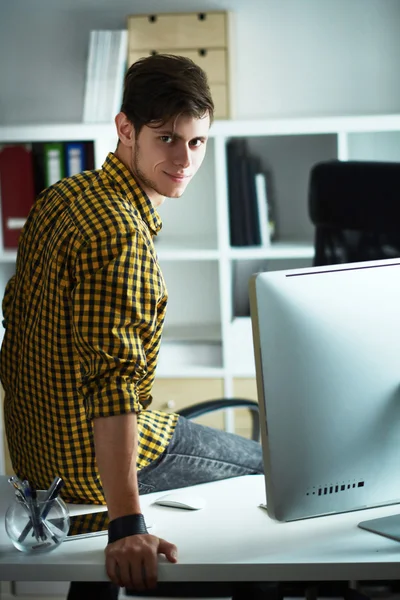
x=8 y=256
x=164 y=372
x=232 y=127
x=306 y=126
x=207 y=280
x=207 y=332
x=167 y=249
x=186 y=248
x=277 y=250
x=190 y=359
x=56 y=132
x=191 y=351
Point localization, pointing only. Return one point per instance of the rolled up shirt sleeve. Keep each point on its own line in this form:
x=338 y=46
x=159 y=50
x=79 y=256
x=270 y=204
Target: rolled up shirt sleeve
x=118 y=308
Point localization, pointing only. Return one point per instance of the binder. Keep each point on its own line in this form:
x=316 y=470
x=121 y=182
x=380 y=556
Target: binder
x=236 y=216
x=89 y=99
x=249 y=168
x=39 y=175
x=105 y=70
x=244 y=218
x=110 y=69
x=102 y=81
x=75 y=160
x=89 y=156
x=244 y=193
x=17 y=191
x=53 y=162
x=120 y=73
x=263 y=212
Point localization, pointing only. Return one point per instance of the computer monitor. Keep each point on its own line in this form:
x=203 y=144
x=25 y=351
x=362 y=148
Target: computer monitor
x=327 y=355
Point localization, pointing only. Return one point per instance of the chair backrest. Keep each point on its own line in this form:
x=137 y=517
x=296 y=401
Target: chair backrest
x=355 y=207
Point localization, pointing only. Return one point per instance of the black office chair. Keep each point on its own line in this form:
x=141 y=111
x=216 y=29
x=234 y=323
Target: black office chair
x=201 y=408
x=355 y=207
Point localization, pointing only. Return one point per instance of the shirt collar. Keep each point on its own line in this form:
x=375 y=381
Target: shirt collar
x=123 y=178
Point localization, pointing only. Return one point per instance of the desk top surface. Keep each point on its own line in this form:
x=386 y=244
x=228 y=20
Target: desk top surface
x=231 y=539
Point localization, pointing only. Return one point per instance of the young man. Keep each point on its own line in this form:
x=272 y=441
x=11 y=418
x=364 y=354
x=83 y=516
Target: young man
x=84 y=316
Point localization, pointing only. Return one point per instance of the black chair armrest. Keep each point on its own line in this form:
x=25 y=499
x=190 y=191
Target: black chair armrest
x=201 y=408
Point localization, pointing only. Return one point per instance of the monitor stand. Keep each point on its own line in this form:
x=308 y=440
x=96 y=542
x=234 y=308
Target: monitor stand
x=387 y=526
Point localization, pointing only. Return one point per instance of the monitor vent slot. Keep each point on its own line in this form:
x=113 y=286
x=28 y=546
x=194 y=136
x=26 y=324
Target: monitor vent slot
x=334 y=488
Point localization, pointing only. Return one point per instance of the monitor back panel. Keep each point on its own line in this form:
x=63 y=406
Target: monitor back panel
x=327 y=351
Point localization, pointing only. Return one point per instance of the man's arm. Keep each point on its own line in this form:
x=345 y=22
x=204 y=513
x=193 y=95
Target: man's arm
x=130 y=561
x=113 y=311
x=115 y=441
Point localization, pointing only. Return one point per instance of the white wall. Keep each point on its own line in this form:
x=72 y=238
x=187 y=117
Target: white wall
x=293 y=57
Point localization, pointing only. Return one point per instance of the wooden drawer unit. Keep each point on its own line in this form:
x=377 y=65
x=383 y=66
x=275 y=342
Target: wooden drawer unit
x=219 y=94
x=177 y=31
x=171 y=395
x=202 y=37
x=212 y=60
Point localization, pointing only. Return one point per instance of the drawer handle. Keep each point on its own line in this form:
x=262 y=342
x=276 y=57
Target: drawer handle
x=170 y=404
x=152 y=18
x=202 y=16
x=203 y=52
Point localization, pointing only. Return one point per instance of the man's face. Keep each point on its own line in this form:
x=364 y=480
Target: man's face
x=165 y=159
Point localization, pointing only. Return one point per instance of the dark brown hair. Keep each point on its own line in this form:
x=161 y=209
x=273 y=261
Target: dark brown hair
x=160 y=87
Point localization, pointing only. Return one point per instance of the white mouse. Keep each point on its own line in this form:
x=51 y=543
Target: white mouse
x=181 y=500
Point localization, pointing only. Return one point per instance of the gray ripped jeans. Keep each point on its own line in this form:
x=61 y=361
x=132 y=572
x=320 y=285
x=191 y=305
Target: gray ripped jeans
x=198 y=454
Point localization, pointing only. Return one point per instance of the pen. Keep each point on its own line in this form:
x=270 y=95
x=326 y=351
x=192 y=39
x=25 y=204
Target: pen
x=19 y=493
x=53 y=537
x=36 y=511
x=16 y=484
x=52 y=493
x=34 y=517
x=53 y=486
x=21 y=498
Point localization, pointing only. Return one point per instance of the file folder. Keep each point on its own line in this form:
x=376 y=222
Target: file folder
x=74 y=158
x=17 y=191
x=53 y=162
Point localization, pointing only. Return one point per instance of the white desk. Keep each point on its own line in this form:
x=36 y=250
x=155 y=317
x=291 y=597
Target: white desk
x=229 y=540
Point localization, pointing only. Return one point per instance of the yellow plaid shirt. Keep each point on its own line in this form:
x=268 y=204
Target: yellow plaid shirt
x=83 y=315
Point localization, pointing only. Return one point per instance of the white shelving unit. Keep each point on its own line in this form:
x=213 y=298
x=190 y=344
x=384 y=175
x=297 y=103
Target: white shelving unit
x=207 y=333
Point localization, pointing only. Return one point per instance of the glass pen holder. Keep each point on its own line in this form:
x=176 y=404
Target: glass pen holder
x=37 y=526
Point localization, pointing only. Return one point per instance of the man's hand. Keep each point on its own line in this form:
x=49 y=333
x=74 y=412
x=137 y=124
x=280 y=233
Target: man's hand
x=132 y=561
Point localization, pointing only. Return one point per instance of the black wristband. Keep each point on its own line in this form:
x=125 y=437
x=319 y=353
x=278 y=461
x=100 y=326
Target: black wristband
x=124 y=526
